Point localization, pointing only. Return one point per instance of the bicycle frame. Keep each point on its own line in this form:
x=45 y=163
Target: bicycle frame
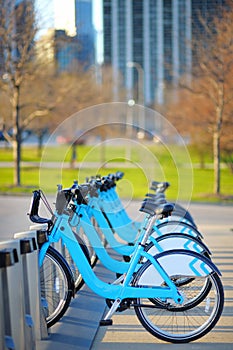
x=111 y=207
x=81 y=218
x=77 y=215
x=94 y=209
x=62 y=230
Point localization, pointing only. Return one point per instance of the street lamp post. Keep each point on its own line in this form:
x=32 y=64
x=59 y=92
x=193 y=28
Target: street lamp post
x=129 y=128
x=140 y=71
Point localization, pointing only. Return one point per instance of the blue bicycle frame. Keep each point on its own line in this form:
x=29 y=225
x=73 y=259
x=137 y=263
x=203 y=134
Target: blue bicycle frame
x=94 y=210
x=79 y=217
x=194 y=266
x=109 y=203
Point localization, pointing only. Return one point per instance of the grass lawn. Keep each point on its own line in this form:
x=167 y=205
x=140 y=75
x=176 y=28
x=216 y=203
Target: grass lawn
x=154 y=162
x=135 y=184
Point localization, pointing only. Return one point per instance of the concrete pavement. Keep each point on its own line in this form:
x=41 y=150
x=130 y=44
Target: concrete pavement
x=79 y=327
x=216 y=224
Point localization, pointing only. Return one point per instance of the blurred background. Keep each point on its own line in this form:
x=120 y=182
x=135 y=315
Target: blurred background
x=160 y=69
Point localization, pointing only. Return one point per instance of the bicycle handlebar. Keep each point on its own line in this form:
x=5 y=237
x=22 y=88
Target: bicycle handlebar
x=104 y=183
x=34 y=209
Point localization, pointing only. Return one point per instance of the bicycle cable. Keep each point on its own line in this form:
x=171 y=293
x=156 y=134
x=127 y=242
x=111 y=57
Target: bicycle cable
x=45 y=201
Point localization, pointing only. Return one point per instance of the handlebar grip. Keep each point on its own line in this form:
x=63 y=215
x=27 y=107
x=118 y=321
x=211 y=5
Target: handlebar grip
x=35 y=202
x=34 y=208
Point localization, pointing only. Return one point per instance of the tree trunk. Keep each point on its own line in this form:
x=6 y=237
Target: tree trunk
x=216 y=152
x=17 y=156
x=16 y=136
x=40 y=144
x=102 y=151
x=216 y=142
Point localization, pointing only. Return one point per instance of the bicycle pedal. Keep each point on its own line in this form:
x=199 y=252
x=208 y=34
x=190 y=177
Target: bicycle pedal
x=106 y=322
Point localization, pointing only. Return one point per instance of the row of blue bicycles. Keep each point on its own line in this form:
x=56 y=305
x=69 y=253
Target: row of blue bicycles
x=162 y=266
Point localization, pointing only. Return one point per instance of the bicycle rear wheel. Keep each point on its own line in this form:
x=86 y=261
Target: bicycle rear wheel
x=56 y=284
x=182 y=324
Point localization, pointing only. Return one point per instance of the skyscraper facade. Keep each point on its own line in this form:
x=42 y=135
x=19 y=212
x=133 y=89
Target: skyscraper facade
x=148 y=42
x=85 y=31
x=74 y=40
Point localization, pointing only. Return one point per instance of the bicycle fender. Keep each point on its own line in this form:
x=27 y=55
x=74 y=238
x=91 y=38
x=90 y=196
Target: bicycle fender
x=172 y=241
x=177 y=262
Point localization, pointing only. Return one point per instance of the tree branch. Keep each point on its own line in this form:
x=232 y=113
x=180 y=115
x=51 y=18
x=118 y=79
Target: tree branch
x=33 y=115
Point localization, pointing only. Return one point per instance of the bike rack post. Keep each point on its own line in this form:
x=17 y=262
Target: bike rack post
x=7 y=259
x=14 y=304
x=27 y=247
x=35 y=303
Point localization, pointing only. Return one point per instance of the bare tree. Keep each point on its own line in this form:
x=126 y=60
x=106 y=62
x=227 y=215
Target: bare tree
x=39 y=96
x=211 y=92
x=32 y=86
x=17 y=35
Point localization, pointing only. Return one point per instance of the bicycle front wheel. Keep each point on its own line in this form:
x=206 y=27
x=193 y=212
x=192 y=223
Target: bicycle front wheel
x=182 y=324
x=57 y=286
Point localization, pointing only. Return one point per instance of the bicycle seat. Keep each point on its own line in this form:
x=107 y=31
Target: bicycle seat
x=161 y=186
x=164 y=209
x=156 y=201
x=155 y=197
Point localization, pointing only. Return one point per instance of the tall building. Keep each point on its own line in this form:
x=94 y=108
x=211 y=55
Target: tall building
x=148 y=42
x=85 y=31
x=73 y=35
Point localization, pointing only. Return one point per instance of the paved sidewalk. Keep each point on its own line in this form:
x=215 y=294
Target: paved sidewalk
x=66 y=165
x=216 y=224
x=79 y=329
x=79 y=325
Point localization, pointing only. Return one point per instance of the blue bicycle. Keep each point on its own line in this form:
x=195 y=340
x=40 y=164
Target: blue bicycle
x=118 y=219
x=160 y=290
x=80 y=219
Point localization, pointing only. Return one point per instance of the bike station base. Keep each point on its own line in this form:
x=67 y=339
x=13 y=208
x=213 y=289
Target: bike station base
x=79 y=325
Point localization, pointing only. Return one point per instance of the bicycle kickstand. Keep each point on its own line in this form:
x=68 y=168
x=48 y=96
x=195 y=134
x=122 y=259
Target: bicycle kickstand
x=107 y=321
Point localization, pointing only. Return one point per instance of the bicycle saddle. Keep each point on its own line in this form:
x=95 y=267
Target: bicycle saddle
x=164 y=209
x=161 y=186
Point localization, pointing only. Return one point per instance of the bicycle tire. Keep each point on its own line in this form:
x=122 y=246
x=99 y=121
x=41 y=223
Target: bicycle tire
x=56 y=285
x=187 y=281
x=179 y=210
x=167 y=323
